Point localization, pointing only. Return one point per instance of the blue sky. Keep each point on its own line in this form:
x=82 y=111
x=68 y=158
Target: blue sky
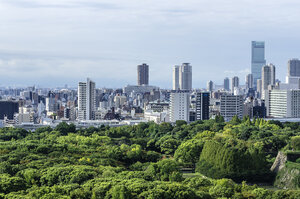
x=58 y=42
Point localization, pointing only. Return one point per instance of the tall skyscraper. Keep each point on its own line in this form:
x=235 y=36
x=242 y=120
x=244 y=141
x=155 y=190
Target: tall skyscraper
x=202 y=105
x=185 y=77
x=257 y=60
x=259 y=88
x=179 y=105
x=86 y=100
x=235 y=82
x=143 y=74
x=226 y=84
x=249 y=81
x=210 y=86
x=176 y=71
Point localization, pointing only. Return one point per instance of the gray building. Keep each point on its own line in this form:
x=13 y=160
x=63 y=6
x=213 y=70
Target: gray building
x=143 y=74
x=230 y=106
x=294 y=68
x=268 y=78
x=257 y=60
x=235 y=82
x=86 y=100
x=210 y=86
x=226 y=84
x=249 y=81
x=176 y=71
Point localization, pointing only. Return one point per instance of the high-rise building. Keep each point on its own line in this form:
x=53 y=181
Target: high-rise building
x=257 y=60
x=283 y=103
x=86 y=100
x=249 y=81
x=202 y=105
x=259 y=87
x=268 y=77
x=230 y=106
x=143 y=74
x=176 y=71
x=185 y=77
x=8 y=109
x=234 y=83
x=179 y=105
x=210 y=86
x=293 y=76
x=226 y=84
x=294 y=68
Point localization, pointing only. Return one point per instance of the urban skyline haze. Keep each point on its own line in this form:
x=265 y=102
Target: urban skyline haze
x=58 y=42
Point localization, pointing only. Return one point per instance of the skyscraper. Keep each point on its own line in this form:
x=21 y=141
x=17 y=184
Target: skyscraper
x=185 y=77
x=226 y=84
x=234 y=83
x=86 y=100
x=257 y=60
x=176 y=70
x=249 y=81
x=268 y=76
x=210 y=86
x=143 y=74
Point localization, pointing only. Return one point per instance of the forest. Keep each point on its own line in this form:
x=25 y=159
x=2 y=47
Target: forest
x=204 y=159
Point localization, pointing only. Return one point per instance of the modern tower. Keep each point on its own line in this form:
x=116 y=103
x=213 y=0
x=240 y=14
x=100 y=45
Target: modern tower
x=185 y=77
x=257 y=60
x=210 y=86
x=86 y=100
x=143 y=74
x=268 y=78
x=294 y=68
x=234 y=83
x=176 y=71
x=249 y=81
x=226 y=84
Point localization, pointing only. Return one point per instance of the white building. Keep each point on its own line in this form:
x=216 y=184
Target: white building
x=185 y=77
x=230 y=106
x=283 y=103
x=179 y=105
x=86 y=100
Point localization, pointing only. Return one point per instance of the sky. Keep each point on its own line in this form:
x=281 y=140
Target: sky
x=53 y=43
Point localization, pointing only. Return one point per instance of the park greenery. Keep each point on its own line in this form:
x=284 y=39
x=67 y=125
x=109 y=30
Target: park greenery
x=148 y=161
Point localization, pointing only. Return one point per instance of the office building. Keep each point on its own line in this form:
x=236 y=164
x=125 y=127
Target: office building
x=143 y=74
x=185 y=77
x=283 y=103
x=202 y=105
x=176 y=71
x=226 y=84
x=234 y=83
x=179 y=105
x=8 y=109
x=249 y=81
x=231 y=105
x=294 y=68
x=86 y=100
x=257 y=60
x=259 y=88
x=210 y=86
x=268 y=78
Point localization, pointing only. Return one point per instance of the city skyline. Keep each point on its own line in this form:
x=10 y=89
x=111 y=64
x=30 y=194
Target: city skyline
x=65 y=41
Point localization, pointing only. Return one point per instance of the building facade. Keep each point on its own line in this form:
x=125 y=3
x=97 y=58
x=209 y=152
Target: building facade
x=143 y=74
x=179 y=105
x=231 y=105
x=185 y=77
x=202 y=105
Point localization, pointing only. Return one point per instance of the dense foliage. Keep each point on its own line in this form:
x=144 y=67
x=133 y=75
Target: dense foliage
x=146 y=160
